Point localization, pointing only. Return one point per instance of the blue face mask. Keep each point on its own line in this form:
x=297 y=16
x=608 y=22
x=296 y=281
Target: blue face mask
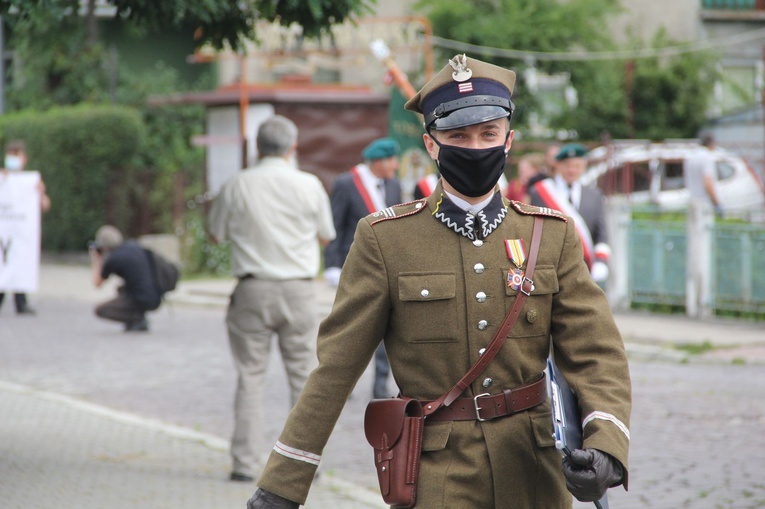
x=13 y=163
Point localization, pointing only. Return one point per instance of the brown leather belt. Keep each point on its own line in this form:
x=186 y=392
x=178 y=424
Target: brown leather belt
x=486 y=407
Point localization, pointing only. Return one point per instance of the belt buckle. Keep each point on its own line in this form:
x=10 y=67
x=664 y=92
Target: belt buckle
x=477 y=408
x=523 y=283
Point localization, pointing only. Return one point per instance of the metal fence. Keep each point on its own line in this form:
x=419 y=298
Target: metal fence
x=688 y=260
x=657 y=262
x=739 y=267
x=732 y=4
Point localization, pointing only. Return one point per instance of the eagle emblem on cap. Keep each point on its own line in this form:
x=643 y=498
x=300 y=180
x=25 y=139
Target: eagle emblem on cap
x=461 y=71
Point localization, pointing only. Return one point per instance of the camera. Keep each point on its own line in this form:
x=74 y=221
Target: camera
x=92 y=246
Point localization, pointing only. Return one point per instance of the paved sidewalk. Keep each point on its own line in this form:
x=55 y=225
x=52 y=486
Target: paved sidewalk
x=57 y=451
x=62 y=452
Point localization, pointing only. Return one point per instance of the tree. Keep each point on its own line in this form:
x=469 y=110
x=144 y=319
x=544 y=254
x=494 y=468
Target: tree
x=542 y=25
x=670 y=96
x=60 y=58
x=215 y=22
x=666 y=97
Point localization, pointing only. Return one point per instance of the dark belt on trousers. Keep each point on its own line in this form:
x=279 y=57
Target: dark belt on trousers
x=486 y=407
x=252 y=276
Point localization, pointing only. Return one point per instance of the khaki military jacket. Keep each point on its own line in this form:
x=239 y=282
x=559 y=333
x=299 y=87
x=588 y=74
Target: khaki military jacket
x=437 y=297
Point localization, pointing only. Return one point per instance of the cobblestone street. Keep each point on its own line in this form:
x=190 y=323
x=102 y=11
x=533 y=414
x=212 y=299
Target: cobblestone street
x=696 y=427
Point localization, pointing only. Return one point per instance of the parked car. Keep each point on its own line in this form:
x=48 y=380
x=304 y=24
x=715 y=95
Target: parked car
x=653 y=173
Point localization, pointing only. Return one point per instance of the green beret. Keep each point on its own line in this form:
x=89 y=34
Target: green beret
x=571 y=150
x=380 y=149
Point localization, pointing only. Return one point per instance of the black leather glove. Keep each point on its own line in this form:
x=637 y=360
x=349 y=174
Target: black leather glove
x=590 y=472
x=263 y=499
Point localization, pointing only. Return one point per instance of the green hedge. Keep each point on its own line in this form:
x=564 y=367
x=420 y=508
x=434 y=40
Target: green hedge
x=86 y=156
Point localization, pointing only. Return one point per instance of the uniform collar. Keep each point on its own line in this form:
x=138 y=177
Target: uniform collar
x=473 y=226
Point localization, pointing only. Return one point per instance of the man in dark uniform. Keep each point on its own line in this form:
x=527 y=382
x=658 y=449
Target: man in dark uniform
x=430 y=277
x=367 y=188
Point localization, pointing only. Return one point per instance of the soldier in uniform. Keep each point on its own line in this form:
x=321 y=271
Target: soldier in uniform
x=584 y=203
x=431 y=278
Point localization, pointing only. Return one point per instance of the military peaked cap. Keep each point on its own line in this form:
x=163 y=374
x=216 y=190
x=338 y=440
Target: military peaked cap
x=465 y=92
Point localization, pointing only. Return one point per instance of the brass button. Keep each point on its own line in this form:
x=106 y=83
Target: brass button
x=478 y=243
x=482 y=325
x=481 y=351
x=478 y=268
x=487 y=382
x=480 y=297
x=425 y=292
x=531 y=315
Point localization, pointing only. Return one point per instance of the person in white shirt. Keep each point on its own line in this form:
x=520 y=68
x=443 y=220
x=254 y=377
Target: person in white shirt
x=275 y=217
x=700 y=174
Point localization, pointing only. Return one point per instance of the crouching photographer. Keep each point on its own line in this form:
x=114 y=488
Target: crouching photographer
x=109 y=254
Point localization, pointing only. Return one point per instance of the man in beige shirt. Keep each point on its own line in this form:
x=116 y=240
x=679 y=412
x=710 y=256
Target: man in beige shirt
x=275 y=217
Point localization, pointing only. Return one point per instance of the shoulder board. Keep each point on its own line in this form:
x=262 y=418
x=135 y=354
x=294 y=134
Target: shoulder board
x=531 y=210
x=397 y=211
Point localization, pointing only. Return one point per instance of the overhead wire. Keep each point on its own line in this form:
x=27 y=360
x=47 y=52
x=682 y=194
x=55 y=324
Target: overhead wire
x=680 y=49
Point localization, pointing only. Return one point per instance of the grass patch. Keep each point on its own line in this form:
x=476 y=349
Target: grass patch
x=695 y=348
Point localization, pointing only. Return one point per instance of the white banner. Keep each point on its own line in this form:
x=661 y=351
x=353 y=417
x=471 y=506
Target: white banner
x=19 y=231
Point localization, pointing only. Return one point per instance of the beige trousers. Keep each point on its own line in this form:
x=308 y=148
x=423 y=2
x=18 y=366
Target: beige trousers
x=258 y=311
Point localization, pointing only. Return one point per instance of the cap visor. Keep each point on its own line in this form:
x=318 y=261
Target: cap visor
x=469 y=116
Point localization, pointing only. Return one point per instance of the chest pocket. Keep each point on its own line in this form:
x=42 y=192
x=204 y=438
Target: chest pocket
x=535 y=317
x=428 y=301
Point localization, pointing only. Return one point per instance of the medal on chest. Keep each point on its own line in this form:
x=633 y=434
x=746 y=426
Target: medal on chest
x=516 y=253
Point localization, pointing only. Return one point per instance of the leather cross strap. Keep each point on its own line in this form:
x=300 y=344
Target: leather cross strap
x=527 y=286
x=486 y=407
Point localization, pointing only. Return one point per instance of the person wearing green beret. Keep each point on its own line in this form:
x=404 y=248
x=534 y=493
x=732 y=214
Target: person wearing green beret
x=436 y=278
x=367 y=188
x=584 y=203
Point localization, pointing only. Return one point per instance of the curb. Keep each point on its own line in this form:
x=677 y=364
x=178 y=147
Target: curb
x=364 y=497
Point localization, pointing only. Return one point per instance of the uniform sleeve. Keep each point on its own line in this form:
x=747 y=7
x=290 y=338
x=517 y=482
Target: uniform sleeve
x=347 y=340
x=590 y=353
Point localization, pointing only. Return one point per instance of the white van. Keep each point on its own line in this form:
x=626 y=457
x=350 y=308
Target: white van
x=653 y=173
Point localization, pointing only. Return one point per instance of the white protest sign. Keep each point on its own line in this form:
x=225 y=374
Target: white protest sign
x=19 y=231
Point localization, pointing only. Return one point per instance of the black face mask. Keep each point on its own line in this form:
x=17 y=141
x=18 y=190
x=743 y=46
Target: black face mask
x=472 y=172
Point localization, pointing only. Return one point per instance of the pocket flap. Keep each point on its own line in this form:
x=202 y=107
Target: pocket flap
x=423 y=287
x=384 y=420
x=545 y=281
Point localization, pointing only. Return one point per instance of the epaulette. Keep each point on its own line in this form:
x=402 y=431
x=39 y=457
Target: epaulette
x=531 y=210
x=398 y=211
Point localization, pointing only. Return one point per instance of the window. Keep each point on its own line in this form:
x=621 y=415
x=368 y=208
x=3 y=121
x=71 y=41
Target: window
x=672 y=175
x=724 y=170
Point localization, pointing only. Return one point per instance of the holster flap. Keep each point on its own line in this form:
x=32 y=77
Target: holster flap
x=384 y=420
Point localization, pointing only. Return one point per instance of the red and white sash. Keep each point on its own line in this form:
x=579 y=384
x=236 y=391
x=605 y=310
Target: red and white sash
x=427 y=184
x=551 y=197
x=358 y=180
